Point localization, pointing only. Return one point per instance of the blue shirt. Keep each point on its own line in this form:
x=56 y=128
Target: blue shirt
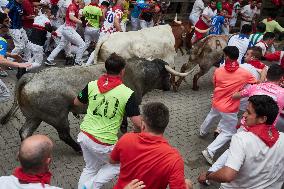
x=3 y=46
x=138 y=8
x=216 y=24
x=15 y=14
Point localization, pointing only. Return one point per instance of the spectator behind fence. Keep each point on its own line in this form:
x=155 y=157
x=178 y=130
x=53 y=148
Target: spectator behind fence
x=147 y=156
x=35 y=156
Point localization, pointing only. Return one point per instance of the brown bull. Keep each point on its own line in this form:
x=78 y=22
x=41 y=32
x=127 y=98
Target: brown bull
x=183 y=32
x=206 y=53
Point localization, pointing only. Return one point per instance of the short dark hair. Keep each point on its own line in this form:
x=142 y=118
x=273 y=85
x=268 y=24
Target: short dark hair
x=3 y=16
x=268 y=35
x=232 y=52
x=275 y=72
x=36 y=160
x=256 y=52
x=156 y=116
x=264 y=105
x=105 y=3
x=261 y=27
x=114 y=64
x=246 y=29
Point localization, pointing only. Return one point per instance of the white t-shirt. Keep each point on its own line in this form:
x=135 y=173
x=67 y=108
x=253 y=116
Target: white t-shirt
x=242 y=43
x=248 y=12
x=263 y=47
x=11 y=182
x=3 y=4
x=197 y=9
x=210 y=13
x=258 y=165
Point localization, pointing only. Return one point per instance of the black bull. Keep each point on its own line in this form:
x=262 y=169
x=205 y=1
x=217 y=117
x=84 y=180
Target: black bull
x=48 y=95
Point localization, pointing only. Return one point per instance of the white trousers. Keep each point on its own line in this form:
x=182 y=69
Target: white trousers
x=227 y=125
x=145 y=24
x=243 y=104
x=69 y=35
x=37 y=55
x=123 y=25
x=20 y=40
x=98 y=170
x=91 y=35
x=135 y=23
x=4 y=92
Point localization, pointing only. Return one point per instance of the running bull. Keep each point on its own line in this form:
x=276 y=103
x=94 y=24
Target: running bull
x=160 y=42
x=48 y=95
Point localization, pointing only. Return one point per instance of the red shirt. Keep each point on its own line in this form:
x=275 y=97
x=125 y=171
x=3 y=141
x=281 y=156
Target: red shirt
x=72 y=8
x=28 y=8
x=148 y=158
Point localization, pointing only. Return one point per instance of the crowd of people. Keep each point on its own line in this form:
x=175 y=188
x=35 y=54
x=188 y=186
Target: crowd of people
x=144 y=158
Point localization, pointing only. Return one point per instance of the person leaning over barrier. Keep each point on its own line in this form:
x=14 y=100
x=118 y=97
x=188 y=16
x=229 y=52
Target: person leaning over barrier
x=108 y=101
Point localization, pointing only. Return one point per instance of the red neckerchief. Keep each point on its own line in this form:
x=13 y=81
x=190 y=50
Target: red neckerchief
x=54 y=2
x=108 y=82
x=267 y=133
x=231 y=65
x=43 y=178
x=269 y=19
x=256 y=63
x=94 y=4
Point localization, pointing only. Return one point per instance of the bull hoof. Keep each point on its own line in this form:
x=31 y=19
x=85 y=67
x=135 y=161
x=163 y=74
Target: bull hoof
x=195 y=88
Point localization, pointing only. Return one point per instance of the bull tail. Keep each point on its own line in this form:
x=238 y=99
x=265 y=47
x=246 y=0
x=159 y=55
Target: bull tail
x=19 y=86
x=98 y=47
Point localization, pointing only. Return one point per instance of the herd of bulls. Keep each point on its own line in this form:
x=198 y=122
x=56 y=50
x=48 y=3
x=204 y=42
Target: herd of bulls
x=48 y=95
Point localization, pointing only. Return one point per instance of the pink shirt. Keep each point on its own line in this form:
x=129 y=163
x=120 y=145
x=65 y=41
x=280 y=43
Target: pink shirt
x=270 y=89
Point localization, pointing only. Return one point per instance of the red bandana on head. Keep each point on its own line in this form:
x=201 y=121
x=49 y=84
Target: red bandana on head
x=108 y=82
x=43 y=178
x=231 y=65
x=267 y=133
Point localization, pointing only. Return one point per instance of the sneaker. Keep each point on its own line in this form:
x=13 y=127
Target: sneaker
x=207 y=156
x=49 y=63
x=201 y=134
x=3 y=73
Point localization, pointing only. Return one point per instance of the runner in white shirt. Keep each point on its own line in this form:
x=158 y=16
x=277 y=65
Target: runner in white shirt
x=255 y=159
x=197 y=9
x=266 y=44
x=241 y=41
x=248 y=13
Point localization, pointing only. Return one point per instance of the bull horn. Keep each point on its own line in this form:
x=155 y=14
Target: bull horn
x=174 y=72
x=201 y=31
x=176 y=20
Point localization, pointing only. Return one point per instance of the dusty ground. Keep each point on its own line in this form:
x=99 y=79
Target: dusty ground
x=187 y=110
